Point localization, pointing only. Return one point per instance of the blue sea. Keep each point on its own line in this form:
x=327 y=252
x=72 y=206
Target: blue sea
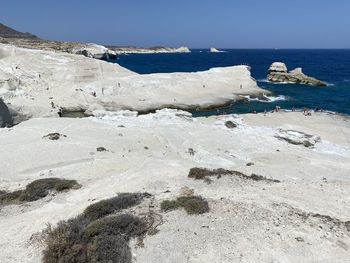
x=331 y=66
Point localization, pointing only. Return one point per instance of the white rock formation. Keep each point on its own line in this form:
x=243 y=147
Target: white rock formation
x=37 y=83
x=297 y=137
x=304 y=218
x=278 y=73
x=154 y=50
x=278 y=67
x=95 y=51
x=214 y=50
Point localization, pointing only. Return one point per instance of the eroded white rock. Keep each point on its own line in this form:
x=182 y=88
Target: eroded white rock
x=278 y=73
x=39 y=83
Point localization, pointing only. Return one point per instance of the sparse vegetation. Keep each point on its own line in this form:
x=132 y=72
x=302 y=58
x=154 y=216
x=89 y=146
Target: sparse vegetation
x=109 y=206
x=204 y=174
x=7 y=198
x=36 y=190
x=125 y=225
x=257 y=177
x=201 y=173
x=96 y=235
x=191 y=204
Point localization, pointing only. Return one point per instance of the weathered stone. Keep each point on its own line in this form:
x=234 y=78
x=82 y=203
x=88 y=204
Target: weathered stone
x=278 y=73
x=230 y=124
x=278 y=67
x=95 y=51
x=297 y=138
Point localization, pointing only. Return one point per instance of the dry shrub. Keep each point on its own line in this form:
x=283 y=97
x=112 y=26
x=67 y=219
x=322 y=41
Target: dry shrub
x=194 y=204
x=96 y=236
x=125 y=225
x=204 y=174
x=191 y=204
x=109 y=206
x=37 y=189
x=109 y=248
x=41 y=188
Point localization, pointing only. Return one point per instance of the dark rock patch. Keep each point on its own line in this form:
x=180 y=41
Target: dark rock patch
x=101 y=149
x=230 y=124
x=54 y=136
x=5 y=115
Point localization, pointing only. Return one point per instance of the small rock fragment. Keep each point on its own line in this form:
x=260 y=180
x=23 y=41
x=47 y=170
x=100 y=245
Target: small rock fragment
x=54 y=136
x=230 y=124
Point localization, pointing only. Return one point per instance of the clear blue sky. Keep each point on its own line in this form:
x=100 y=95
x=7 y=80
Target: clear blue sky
x=193 y=23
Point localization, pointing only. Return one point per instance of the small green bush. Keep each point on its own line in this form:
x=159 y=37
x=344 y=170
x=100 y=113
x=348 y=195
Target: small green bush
x=191 y=204
x=194 y=204
x=168 y=205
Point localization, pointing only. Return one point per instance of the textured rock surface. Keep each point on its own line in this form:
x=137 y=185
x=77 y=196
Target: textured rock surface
x=297 y=138
x=38 y=83
x=278 y=73
x=278 y=67
x=301 y=219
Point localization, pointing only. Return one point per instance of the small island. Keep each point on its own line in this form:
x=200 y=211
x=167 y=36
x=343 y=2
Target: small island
x=214 y=50
x=278 y=73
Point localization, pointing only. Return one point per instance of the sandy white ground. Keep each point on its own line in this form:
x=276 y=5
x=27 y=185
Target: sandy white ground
x=248 y=222
x=36 y=83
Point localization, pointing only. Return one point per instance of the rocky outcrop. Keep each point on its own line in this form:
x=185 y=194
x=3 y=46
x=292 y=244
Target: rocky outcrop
x=95 y=51
x=214 y=50
x=297 y=137
x=278 y=73
x=40 y=83
x=152 y=50
x=5 y=116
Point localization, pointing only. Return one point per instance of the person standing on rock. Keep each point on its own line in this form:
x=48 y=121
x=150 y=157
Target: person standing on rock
x=60 y=112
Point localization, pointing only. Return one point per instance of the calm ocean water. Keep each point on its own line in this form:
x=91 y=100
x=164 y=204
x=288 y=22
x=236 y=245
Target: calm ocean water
x=332 y=66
